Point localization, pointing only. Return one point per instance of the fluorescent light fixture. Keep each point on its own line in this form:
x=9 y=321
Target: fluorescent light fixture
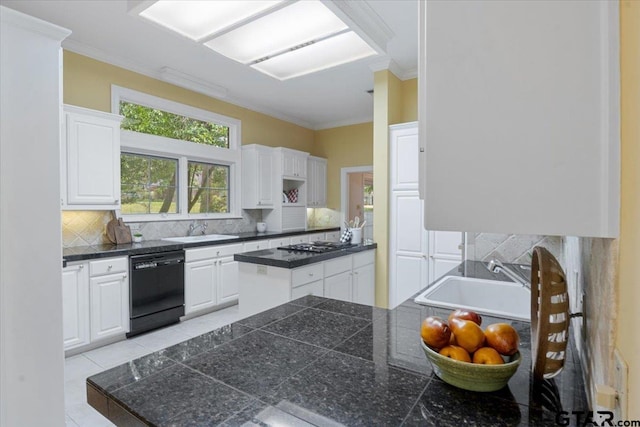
x=286 y=28
x=343 y=48
x=283 y=39
x=197 y=19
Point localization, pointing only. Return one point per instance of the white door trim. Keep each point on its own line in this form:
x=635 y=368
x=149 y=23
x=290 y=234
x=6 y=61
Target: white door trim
x=344 y=182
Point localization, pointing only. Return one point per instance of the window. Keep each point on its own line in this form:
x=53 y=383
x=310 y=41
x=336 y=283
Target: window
x=208 y=188
x=177 y=161
x=148 y=184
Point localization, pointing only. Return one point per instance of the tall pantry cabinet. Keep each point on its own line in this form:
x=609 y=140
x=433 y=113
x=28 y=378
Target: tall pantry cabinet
x=417 y=256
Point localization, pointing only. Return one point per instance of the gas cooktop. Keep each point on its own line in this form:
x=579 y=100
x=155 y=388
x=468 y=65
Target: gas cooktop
x=317 y=247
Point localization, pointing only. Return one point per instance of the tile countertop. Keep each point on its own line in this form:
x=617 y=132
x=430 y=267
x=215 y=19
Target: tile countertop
x=80 y=253
x=292 y=259
x=317 y=361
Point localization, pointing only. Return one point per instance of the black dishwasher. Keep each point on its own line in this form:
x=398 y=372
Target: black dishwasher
x=156 y=290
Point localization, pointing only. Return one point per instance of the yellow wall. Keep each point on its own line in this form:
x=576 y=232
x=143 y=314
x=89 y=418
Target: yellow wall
x=344 y=146
x=409 y=100
x=87 y=83
x=628 y=333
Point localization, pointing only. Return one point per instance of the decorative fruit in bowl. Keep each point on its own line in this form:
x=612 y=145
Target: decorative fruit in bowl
x=435 y=332
x=464 y=355
x=503 y=337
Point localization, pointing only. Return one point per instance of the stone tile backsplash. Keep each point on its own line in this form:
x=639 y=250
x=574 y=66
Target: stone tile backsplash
x=322 y=217
x=82 y=228
x=511 y=248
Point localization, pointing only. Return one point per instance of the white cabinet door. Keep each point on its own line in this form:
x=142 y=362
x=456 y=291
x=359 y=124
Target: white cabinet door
x=444 y=252
x=91 y=164
x=109 y=305
x=502 y=153
x=316 y=182
x=200 y=286
x=257 y=177
x=404 y=165
x=364 y=285
x=408 y=272
x=294 y=163
x=227 y=280
x=314 y=288
x=75 y=306
x=339 y=286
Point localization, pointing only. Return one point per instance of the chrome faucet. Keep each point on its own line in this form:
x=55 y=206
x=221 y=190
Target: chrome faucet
x=495 y=266
x=193 y=227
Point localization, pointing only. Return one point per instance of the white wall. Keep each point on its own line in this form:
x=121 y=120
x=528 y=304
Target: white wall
x=31 y=354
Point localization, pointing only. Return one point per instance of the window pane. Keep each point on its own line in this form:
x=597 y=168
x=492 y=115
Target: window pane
x=139 y=118
x=148 y=184
x=208 y=190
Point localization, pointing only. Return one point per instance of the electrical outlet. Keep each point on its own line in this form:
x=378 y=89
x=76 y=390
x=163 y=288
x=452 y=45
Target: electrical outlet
x=620 y=374
x=262 y=269
x=134 y=226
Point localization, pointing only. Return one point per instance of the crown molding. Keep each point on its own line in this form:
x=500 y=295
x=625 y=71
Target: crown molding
x=341 y=123
x=386 y=63
x=362 y=19
x=190 y=82
x=9 y=16
x=118 y=61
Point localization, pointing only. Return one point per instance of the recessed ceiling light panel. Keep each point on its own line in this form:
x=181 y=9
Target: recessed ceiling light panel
x=299 y=23
x=343 y=48
x=197 y=19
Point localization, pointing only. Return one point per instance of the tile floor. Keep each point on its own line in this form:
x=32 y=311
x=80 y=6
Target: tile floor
x=81 y=366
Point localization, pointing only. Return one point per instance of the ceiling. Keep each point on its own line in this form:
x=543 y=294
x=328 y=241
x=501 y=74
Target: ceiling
x=102 y=29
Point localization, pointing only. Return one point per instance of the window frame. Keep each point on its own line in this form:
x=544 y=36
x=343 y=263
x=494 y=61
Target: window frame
x=183 y=151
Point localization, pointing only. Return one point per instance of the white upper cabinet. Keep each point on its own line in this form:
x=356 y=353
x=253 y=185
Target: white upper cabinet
x=316 y=182
x=294 y=162
x=90 y=159
x=404 y=167
x=519 y=117
x=257 y=177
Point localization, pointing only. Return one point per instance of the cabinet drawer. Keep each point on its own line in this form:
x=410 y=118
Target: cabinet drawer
x=284 y=241
x=363 y=258
x=302 y=275
x=299 y=239
x=315 y=237
x=337 y=265
x=108 y=266
x=332 y=236
x=256 y=246
x=209 y=252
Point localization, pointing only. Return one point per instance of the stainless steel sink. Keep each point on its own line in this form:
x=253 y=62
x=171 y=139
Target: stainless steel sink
x=201 y=238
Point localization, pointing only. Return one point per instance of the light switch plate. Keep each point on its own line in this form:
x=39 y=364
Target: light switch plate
x=620 y=374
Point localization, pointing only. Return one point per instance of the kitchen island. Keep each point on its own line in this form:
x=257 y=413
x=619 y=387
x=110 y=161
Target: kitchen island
x=319 y=361
x=271 y=277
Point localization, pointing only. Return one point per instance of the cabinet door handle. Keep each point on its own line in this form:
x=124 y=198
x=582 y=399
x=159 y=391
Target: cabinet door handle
x=310 y=274
x=109 y=267
x=81 y=266
x=117 y=201
x=218 y=253
x=124 y=276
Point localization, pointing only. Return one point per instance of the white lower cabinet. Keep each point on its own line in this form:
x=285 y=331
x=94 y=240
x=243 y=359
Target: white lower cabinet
x=109 y=296
x=314 y=288
x=227 y=286
x=75 y=300
x=95 y=301
x=347 y=278
x=211 y=277
x=364 y=278
x=338 y=278
x=199 y=285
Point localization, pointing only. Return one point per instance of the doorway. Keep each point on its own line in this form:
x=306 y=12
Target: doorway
x=357 y=197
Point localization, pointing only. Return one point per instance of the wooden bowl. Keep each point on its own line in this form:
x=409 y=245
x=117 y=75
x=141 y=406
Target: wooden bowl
x=472 y=376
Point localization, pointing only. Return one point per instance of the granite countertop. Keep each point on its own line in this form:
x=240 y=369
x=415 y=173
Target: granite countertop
x=81 y=253
x=292 y=259
x=318 y=361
